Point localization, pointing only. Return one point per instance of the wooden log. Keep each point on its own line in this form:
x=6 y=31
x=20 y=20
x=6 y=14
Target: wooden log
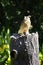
x=24 y=49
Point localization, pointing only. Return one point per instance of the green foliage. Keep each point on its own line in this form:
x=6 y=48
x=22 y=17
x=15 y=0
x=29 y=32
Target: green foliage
x=41 y=57
x=4 y=47
x=13 y=11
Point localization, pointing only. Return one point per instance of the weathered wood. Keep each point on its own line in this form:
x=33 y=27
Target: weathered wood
x=25 y=49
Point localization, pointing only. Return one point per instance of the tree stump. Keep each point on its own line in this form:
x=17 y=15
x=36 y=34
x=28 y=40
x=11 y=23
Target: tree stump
x=24 y=49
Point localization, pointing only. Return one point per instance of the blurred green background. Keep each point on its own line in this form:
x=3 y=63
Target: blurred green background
x=12 y=13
